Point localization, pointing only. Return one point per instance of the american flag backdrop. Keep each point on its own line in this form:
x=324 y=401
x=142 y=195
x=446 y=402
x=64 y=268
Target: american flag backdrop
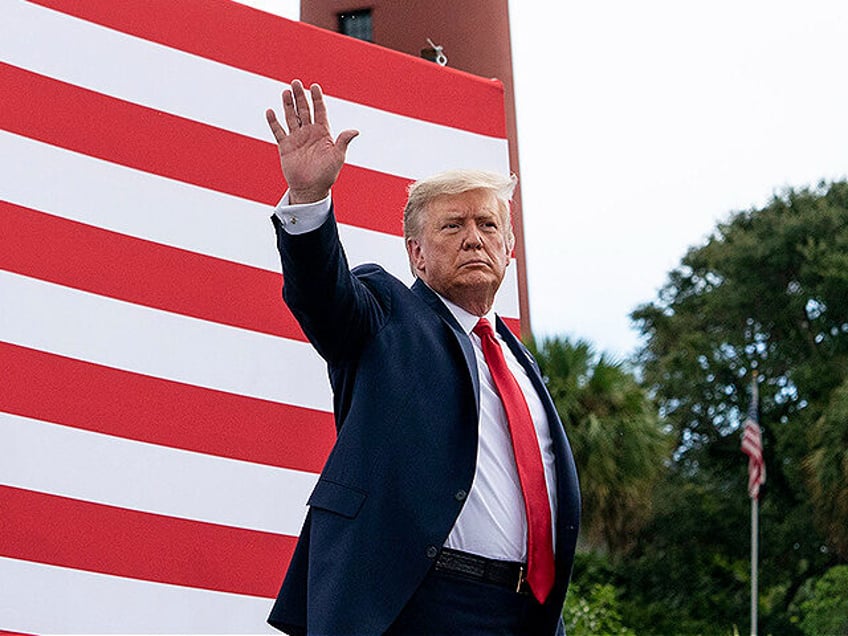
x=162 y=419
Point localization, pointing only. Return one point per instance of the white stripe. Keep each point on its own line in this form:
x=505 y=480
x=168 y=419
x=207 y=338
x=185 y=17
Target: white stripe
x=190 y=86
x=123 y=335
x=289 y=9
x=162 y=210
x=140 y=476
x=46 y=599
x=506 y=302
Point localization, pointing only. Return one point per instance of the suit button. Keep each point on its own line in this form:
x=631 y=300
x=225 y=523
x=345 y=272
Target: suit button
x=432 y=552
x=460 y=495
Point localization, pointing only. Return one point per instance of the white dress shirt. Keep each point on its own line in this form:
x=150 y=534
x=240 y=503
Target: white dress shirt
x=492 y=522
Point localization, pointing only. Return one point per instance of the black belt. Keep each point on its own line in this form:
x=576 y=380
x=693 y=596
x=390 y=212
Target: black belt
x=477 y=568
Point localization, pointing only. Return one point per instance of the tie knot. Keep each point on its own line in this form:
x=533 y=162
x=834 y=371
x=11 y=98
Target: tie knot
x=483 y=328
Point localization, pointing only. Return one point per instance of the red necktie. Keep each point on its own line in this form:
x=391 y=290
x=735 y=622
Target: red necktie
x=528 y=458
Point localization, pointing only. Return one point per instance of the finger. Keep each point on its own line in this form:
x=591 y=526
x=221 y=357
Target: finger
x=344 y=139
x=276 y=128
x=301 y=103
x=289 y=111
x=318 y=105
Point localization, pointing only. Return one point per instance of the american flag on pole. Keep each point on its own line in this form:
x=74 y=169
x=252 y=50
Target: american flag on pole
x=752 y=446
x=162 y=419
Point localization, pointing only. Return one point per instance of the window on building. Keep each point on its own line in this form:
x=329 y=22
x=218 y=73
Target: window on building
x=357 y=24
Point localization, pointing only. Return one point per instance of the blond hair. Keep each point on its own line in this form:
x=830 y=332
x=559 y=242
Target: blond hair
x=456 y=182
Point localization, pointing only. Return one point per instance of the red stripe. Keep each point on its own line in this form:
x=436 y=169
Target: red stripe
x=145 y=273
x=92 y=397
x=127 y=543
x=514 y=325
x=274 y=47
x=131 y=135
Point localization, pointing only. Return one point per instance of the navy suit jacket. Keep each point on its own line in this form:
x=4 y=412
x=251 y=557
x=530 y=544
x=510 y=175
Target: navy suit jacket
x=405 y=397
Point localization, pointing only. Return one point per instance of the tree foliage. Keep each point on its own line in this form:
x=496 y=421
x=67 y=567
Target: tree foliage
x=826 y=611
x=767 y=292
x=594 y=612
x=615 y=434
x=827 y=469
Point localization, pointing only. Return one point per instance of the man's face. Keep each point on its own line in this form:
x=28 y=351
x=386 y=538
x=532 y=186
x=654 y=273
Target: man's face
x=462 y=251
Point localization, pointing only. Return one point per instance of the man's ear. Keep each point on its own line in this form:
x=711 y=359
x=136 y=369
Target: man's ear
x=509 y=241
x=413 y=249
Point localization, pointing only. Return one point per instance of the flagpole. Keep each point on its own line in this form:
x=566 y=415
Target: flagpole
x=752 y=445
x=754 y=551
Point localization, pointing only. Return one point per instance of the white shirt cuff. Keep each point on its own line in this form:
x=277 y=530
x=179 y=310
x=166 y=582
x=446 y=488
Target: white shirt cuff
x=301 y=218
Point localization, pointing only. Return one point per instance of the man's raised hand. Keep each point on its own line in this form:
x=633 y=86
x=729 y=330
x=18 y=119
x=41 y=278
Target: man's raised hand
x=310 y=159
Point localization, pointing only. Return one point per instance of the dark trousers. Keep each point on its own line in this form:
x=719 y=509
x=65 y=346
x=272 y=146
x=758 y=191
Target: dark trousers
x=448 y=605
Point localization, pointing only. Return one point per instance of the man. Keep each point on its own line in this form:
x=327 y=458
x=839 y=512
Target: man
x=449 y=504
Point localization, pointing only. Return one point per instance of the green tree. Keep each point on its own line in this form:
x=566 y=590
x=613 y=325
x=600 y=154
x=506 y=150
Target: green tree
x=826 y=611
x=593 y=612
x=688 y=572
x=615 y=434
x=768 y=291
x=827 y=469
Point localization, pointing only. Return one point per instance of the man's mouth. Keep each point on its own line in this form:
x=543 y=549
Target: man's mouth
x=476 y=263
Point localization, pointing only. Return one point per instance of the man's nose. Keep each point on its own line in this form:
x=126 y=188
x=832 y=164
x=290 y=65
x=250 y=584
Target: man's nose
x=473 y=239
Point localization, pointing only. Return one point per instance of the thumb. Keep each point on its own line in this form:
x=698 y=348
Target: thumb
x=344 y=139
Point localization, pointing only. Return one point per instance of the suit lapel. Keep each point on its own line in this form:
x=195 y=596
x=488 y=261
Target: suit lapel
x=526 y=360
x=566 y=477
x=420 y=289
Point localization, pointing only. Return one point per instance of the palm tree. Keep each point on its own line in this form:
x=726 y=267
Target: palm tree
x=826 y=468
x=619 y=445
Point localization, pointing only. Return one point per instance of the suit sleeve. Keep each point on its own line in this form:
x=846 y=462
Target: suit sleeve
x=335 y=309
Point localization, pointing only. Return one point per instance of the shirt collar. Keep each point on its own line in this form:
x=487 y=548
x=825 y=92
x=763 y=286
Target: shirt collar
x=465 y=319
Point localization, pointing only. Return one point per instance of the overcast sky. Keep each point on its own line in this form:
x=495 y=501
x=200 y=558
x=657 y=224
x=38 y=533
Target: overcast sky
x=643 y=124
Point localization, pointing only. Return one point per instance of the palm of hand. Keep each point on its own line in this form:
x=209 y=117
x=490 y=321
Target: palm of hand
x=310 y=159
